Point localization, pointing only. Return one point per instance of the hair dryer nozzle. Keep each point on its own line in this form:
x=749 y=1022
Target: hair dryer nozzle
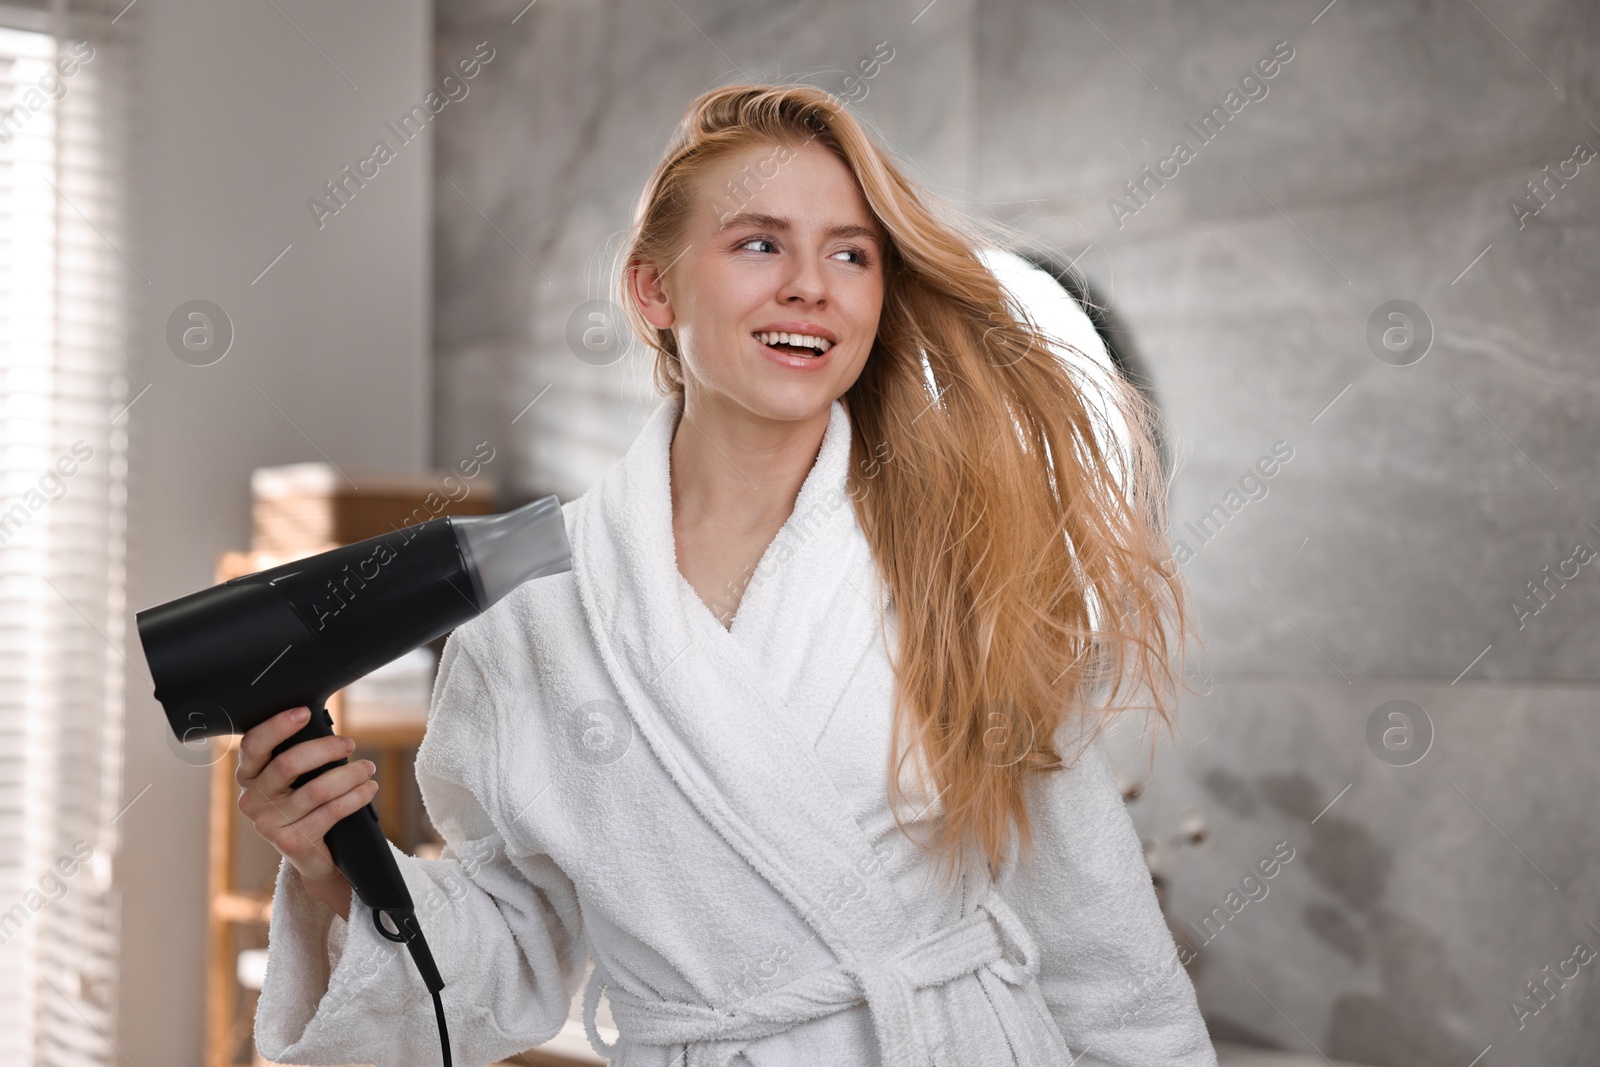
x=503 y=551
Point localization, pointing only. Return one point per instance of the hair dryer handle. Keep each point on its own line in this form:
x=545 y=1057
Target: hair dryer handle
x=363 y=856
x=356 y=842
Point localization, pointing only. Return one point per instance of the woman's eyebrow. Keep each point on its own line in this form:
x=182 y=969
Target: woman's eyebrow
x=762 y=220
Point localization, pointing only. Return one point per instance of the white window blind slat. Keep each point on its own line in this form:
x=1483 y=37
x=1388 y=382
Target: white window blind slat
x=63 y=337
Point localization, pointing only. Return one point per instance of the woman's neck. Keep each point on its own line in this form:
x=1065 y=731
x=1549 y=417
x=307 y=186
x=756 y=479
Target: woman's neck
x=735 y=477
x=734 y=466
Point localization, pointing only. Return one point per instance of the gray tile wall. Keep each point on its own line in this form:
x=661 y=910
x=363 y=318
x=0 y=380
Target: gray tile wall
x=1384 y=560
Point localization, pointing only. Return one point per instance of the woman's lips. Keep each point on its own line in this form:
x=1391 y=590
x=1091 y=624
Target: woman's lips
x=793 y=359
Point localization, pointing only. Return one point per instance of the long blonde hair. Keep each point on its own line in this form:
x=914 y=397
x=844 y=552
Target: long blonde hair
x=1025 y=579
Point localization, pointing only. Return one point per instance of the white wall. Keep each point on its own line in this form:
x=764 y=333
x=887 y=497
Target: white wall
x=241 y=113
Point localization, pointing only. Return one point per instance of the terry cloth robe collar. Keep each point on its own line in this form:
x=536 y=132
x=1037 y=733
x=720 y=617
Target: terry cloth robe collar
x=710 y=703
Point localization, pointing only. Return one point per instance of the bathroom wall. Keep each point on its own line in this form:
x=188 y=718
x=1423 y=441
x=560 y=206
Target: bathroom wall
x=1372 y=509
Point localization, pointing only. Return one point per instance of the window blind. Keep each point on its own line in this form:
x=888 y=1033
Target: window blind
x=63 y=338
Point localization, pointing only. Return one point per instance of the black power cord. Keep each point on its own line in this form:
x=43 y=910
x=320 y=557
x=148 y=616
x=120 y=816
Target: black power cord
x=444 y=1031
x=409 y=934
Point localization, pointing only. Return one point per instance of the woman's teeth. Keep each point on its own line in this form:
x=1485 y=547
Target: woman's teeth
x=817 y=345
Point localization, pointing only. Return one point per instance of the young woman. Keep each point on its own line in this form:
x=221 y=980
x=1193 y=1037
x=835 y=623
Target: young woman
x=800 y=753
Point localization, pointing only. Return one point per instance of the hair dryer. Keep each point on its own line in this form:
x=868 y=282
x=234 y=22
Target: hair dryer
x=227 y=658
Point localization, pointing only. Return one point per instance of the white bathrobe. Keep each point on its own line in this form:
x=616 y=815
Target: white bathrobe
x=705 y=813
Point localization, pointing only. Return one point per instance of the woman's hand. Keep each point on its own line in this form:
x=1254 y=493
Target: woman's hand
x=293 y=821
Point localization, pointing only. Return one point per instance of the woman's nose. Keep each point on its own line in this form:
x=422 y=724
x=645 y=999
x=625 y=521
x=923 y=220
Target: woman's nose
x=806 y=282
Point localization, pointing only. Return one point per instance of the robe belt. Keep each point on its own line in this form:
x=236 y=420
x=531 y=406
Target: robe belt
x=715 y=1036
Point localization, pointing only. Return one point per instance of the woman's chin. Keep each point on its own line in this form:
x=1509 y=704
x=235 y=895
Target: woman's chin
x=768 y=397
x=791 y=402
x=796 y=402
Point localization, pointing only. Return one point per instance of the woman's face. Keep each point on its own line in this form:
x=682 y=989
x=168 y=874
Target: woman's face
x=780 y=240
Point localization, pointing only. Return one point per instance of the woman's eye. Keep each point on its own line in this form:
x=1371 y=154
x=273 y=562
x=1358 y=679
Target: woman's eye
x=861 y=260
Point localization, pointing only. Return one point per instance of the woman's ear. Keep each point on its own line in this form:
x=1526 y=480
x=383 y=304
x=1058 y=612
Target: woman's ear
x=645 y=283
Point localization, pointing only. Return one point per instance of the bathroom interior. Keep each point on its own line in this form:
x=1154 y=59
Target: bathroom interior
x=1359 y=288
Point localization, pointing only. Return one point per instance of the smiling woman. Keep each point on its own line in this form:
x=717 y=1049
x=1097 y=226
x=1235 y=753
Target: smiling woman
x=837 y=244
x=773 y=311
x=999 y=560
x=741 y=282
x=859 y=817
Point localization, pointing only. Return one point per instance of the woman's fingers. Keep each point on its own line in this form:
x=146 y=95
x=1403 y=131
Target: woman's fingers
x=255 y=747
x=300 y=840
x=292 y=820
x=277 y=778
x=321 y=820
x=326 y=786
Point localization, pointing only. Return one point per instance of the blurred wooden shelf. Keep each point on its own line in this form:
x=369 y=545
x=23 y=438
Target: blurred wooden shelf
x=241 y=907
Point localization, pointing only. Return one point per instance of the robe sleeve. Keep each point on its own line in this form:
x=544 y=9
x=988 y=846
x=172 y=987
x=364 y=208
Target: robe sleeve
x=504 y=928
x=1109 y=971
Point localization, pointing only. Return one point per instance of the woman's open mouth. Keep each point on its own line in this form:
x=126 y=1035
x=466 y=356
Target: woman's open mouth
x=793 y=346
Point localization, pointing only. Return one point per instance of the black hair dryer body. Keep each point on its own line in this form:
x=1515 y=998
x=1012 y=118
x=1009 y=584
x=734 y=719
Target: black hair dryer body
x=227 y=658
